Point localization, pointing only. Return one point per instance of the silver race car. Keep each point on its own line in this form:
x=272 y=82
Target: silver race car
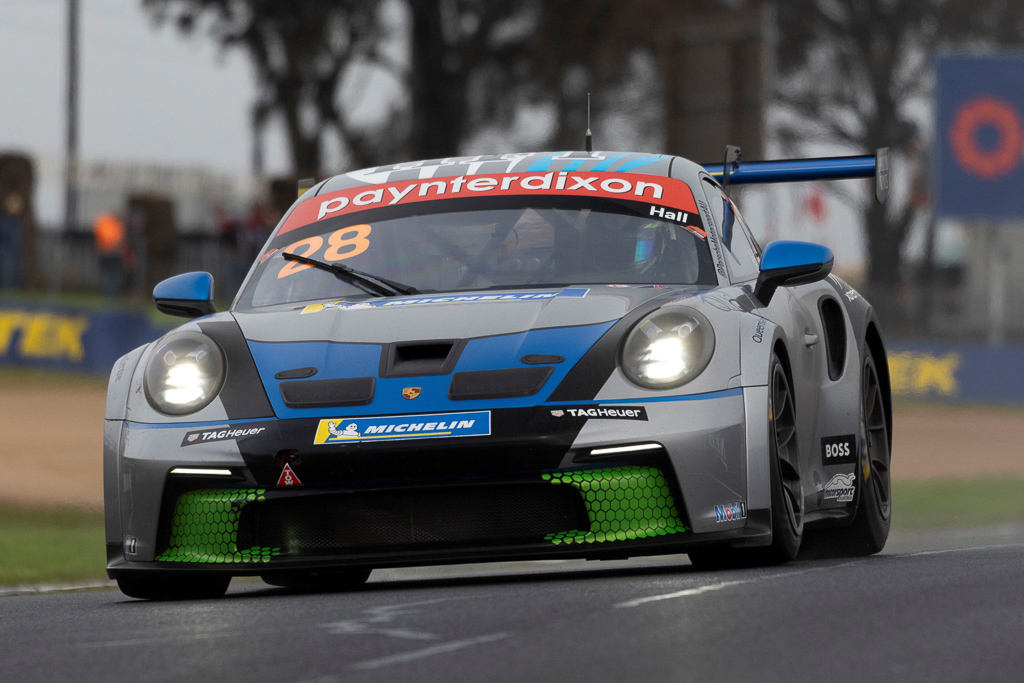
x=563 y=355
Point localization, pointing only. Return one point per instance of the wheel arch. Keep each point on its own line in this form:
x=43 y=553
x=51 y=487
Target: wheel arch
x=875 y=346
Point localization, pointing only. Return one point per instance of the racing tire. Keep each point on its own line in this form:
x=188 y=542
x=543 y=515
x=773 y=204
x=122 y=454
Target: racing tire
x=173 y=586
x=868 y=532
x=786 y=489
x=336 y=580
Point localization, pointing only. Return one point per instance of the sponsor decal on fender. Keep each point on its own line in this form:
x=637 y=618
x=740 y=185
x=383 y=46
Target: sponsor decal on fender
x=759 y=330
x=730 y=512
x=839 y=450
x=602 y=412
x=208 y=435
x=841 y=487
x=394 y=427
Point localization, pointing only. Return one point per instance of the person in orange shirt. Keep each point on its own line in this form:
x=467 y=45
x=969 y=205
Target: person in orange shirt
x=108 y=231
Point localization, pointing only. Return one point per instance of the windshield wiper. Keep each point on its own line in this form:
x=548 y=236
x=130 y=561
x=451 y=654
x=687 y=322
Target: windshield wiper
x=373 y=284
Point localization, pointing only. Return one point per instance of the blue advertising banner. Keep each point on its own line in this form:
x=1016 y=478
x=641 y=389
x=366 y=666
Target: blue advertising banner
x=968 y=373
x=65 y=338
x=979 y=136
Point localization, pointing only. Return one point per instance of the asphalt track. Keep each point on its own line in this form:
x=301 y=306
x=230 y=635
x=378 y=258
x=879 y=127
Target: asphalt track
x=924 y=615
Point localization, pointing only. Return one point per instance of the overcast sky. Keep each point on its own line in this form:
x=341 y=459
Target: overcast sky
x=146 y=94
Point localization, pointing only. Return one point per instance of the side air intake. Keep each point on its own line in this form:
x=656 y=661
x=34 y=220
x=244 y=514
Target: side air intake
x=835 y=336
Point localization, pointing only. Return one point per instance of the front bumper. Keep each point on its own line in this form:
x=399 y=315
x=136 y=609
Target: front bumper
x=480 y=499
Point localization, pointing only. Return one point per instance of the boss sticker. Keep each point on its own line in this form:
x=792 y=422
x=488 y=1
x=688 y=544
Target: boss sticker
x=838 y=450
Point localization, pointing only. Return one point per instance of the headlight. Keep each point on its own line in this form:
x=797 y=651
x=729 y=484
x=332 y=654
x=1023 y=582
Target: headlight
x=184 y=374
x=668 y=348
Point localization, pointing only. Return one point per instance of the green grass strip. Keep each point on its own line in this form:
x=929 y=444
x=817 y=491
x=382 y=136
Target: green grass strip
x=957 y=503
x=50 y=546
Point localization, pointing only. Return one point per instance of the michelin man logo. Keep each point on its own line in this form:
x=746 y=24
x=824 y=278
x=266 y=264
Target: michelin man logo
x=350 y=431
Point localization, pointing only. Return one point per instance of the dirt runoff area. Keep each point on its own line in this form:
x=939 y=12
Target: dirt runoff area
x=51 y=440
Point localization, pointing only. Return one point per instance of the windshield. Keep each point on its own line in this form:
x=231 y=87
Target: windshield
x=471 y=244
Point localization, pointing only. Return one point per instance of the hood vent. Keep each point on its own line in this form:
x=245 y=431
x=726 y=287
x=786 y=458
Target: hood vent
x=420 y=358
x=510 y=383
x=328 y=393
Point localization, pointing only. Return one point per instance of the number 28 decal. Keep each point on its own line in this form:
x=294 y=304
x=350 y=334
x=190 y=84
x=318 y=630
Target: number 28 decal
x=341 y=244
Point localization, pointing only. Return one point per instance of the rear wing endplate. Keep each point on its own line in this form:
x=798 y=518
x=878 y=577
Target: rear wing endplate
x=798 y=170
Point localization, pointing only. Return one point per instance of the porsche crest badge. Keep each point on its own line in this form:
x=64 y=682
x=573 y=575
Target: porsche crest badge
x=411 y=392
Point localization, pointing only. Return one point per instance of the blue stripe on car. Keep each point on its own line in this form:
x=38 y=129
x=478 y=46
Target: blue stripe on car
x=607 y=163
x=642 y=161
x=544 y=163
x=339 y=360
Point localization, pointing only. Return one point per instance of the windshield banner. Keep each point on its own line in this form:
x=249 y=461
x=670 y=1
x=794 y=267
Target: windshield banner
x=656 y=190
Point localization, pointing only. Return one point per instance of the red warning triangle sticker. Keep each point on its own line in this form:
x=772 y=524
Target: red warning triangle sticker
x=288 y=477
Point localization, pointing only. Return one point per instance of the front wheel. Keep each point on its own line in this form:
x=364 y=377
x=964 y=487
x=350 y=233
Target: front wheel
x=786 y=488
x=156 y=585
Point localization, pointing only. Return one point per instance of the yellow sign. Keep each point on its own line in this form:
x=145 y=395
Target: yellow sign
x=42 y=335
x=917 y=374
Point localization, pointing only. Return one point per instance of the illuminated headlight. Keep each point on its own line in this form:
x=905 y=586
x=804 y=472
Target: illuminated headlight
x=184 y=374
x=668 y=348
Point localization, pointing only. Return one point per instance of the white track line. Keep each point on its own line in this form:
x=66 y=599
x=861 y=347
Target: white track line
x=681 y=594
x=727 y=584
x=438 y=649
x=6 y=591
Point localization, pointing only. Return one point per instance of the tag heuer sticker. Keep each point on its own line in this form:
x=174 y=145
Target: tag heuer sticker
x=839 y=450
x=602 y=412
x=841 y=487
x=210 y=435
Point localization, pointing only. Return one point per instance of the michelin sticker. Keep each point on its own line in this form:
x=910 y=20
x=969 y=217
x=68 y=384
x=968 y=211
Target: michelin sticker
x=730 y=512
x=602 y=412
x=840 y=488
x=394 y=427
x=571 y=292
x=209 y=435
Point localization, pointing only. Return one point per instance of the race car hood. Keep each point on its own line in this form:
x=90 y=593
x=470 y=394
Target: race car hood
x=538 y=334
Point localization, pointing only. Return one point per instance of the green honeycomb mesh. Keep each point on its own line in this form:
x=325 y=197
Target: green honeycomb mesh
x=204 y=528
x=623 y=503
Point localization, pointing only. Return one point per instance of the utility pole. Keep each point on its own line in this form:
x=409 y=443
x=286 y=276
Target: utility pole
x=71 y=162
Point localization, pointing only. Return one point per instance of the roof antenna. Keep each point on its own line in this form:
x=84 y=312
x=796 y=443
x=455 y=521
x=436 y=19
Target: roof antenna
x=590 y=138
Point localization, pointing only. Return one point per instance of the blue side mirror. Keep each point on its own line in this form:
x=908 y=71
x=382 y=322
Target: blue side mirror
x=791 y=263
x=188 y=295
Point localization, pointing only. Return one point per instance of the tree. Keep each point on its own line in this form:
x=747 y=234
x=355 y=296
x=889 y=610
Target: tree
x=850 y=73
x=302 y=53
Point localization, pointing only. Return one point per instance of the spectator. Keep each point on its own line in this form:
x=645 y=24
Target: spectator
x=108 y=230
x=10 y=242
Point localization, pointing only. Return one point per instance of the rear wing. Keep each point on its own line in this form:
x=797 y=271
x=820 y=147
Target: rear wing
x=797 y=170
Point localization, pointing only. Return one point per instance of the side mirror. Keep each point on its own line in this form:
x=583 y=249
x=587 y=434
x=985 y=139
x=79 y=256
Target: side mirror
x=791 y=263
x=188 y=295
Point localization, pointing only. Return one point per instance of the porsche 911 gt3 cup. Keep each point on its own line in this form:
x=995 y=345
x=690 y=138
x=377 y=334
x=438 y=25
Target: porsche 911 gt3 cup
x=567 y=355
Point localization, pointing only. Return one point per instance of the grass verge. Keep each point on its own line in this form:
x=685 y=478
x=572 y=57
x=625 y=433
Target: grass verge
x=67 y=545
x=957 y=503
x=50 y=546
